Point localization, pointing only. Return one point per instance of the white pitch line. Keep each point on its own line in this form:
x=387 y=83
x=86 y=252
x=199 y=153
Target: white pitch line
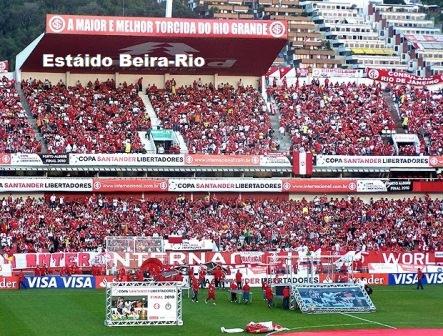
x=362 y=319
x=317 y=326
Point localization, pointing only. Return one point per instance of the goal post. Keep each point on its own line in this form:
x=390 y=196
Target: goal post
x=143 y=304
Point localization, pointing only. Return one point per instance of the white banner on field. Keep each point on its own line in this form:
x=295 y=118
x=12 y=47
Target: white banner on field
x=345 y=161
x=223 y=185
x=45 y=184
x=126 y=159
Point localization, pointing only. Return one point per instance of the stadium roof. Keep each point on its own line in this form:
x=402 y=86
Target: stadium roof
x=229 y=47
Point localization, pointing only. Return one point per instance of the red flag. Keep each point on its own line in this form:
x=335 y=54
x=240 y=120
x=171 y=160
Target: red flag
x=302 y=163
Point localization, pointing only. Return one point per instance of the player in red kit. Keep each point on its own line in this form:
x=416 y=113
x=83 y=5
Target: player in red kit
x=246 y=292
x=269 y=296
x=233 y=287
x=195 y=289
x=211 y=292
x=419 y=279
x=238 y=278
x=286 y=294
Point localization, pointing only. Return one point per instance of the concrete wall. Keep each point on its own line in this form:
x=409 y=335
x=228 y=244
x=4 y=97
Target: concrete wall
x=158 y=80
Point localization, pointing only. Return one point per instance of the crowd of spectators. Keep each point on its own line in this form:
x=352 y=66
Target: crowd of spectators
x=222 y=120
x=16 y=134
x=96 y=118
x=55 y=224
x=421 y=113
x=336 y=119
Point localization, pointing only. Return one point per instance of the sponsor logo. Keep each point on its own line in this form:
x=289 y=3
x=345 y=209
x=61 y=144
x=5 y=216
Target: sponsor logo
x=373 y=73
x=411 y=278
x=8 y=283
x=156 y=305
x=277 y=29
x=57 y=24
x=168 y=306
x=97 y=185
x=59 y=282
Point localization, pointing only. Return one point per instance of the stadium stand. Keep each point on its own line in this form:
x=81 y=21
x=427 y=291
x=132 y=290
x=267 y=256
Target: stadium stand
x=55 y=224
x=16 y=134
x=96 y=118
x=346 y=26
x=345 y=119
x=216 y=121
x=421 y=113
x=306 y=47
x=407 y=29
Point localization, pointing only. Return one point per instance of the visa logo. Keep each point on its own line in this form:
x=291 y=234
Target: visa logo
x=60 y=282
x=410 y=278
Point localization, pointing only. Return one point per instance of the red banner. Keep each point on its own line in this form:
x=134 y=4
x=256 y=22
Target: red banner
x=4 y=66
x=9 y=283
x=129 y=185
x=436 y=161
x=423 y=186
x=302 y=163
x=320 y=185
x=402 y=78
x=164 y=27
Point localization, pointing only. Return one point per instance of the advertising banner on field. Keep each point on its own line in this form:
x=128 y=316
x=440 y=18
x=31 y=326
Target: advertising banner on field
x=102 y=281
x=403 y=78
x=345 y=161
x=411 y=278
x=45 y=184
x=225 y=185
x=58 y=282
x=9 y=283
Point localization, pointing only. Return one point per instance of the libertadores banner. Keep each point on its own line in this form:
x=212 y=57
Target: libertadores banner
x=42 y=184
x=179 y=160
x=362 y=161
x=402 y=78
x=165 y=27
x=225 y=185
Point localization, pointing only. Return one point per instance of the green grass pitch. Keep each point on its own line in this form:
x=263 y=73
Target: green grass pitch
x=82 y=312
